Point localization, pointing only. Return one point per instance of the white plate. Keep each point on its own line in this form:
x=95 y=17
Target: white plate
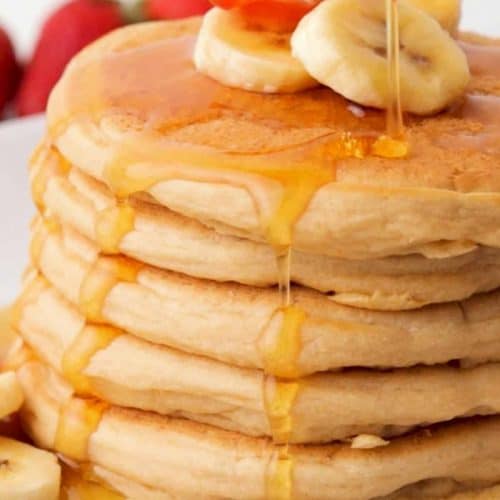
x=18 y=138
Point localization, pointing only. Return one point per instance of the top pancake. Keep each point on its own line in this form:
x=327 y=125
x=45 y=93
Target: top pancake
x=132 y=111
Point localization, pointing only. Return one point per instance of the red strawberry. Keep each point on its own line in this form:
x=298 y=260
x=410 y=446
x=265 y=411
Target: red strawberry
x=9 y=70
x=65 y=33
x=175 y=9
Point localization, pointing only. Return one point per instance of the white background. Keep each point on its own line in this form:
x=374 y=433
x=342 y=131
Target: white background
x=22 y=17
x=18 y=137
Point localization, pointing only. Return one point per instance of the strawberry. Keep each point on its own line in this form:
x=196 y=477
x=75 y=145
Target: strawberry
x=272 y=15
x=66 y=32
x=9 y=70
x=175 y=9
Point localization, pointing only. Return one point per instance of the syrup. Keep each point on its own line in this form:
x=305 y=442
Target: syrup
x=91 y=340
x=279 y=481
x=112 y=225
x=17 y=355
x=6 y=334
x=279 y=398
x=395 y=128
x=47 y=161
x=79 y=484
x=78 y=420
x=51 y=226
x=106 y=273
x=280 y=395
x=29 y=292
x=282 y=357
x=284 y=265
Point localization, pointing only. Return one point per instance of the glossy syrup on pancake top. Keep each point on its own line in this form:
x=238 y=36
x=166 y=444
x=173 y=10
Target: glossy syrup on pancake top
x=160 y=102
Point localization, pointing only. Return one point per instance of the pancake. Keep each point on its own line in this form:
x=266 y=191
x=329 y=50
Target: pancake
x=194 y=459
x=199 y=316
x=434 y=489
x=441 y=490
x=168 y=240
x=278 y=168
x=129 y=372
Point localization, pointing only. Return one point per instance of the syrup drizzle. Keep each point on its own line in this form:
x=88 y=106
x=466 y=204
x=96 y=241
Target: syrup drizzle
x=282 y=356
x=49 y=162
x=279 y=480
x=79 y=418
x=284 y=265
x=91 y=340
x=106 y=273
x=395 y=127
x=80 y=484
x=112 y=225
x=6 y=335
x=50 y=226
x=280 y=395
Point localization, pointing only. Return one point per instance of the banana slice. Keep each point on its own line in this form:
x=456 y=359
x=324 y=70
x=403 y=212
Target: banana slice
x=446 y=12
x=11 y=394
x=27 y=473
x=342 y=43
x=233 y=54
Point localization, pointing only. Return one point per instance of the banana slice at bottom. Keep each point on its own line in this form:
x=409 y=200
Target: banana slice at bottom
x=235 y=55
x=446 y=12
x=27 y=473
x=342 y=43
x=11 y=394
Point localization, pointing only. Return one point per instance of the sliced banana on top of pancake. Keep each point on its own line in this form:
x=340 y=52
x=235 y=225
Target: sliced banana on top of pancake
x=446 y=12
x=11 y=394
x=342 y=43
x=27 y=473
x=232 y=53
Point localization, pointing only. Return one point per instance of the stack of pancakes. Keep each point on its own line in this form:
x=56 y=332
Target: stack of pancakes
x=161 y=356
